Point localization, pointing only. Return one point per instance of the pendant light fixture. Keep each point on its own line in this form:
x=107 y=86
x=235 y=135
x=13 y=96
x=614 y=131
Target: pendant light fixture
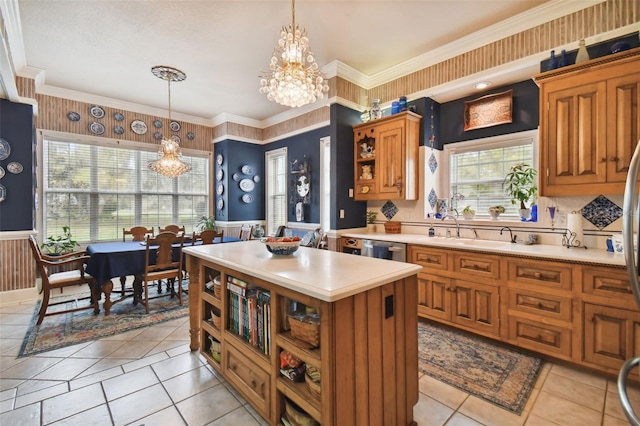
x=294 y=78
x=169 y=162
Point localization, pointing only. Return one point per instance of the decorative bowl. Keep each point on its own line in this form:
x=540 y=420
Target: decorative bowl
x=281 y=248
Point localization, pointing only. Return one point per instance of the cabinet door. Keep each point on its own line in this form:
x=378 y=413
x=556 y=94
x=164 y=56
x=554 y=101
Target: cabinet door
x=576 y=135
x=623 y=122
x=610 y=335
x=434 y=300
x=475 y=305
x=390 y=154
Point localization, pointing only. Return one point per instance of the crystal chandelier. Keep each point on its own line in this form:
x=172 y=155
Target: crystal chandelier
x=169 y=161
x=294 y=78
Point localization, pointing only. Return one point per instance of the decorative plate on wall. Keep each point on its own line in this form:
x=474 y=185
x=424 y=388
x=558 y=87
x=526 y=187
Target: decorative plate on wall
x=219 y=174
x=220 y=189
x=247 y=198
x=118 y=130
x=3 y=193
x=96 y=111
x=175 y=126
x=118 y=116
x=96 y=128
x=219 y=159
x=157 y=123
x=15 y=167
x=220 y=204
x=256 y=178
x=1 y=172
x=247 y=169
x=5 y=149
x=176 y=138
x=247 y=185
x=157 y=136
x=191 y=136
x=236 y=177
x=139 y=127
x=73 y=116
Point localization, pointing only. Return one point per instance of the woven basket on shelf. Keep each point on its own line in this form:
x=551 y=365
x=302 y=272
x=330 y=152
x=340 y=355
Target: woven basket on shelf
x=312 y=379
x=309 y=332
x=392 y=227
x=215 y=318
x=217 y=291
x=298 y=417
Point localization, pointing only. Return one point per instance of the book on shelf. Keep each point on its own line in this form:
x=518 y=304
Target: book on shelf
x=237 y=286
x=249 y=317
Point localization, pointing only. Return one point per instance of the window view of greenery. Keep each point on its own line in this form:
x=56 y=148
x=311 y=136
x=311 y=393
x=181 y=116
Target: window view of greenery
x=476 y=177
x=97 y=191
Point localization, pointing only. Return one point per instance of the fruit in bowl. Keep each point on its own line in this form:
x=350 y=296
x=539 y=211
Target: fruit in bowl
x=281 y=246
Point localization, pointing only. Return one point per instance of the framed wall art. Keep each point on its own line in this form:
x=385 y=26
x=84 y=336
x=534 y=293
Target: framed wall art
x=489 y=110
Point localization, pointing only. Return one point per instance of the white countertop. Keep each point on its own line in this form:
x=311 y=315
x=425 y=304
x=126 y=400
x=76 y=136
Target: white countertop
x=323 y=274
x=574 y=254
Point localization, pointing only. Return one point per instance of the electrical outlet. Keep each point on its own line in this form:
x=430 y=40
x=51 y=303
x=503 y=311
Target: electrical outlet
x=561 y=220
x=350 y=192
x=341 y=213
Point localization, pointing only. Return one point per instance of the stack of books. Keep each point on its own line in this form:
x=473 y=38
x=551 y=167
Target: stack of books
x=250 y=313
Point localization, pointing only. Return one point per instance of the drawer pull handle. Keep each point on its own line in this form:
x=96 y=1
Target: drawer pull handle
x=613 y=159
x=537 y=274
x=253 y=383
x=232 y=367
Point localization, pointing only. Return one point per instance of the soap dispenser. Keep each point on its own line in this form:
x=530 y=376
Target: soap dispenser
x=432 y=230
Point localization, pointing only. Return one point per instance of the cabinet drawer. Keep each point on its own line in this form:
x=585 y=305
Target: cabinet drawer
x=540 y=304
x=477 y=264
x=544 y=338
x=429 y=258
x=606 y=282
x=547 y=274
x=248 y=378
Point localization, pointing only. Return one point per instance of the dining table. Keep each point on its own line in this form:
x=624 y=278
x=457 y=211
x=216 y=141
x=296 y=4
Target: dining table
x=110 y=260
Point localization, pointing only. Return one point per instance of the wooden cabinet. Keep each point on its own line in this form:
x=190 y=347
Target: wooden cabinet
x=589 y=125
x=366 y=348
x=386 y=158
x=459 y=288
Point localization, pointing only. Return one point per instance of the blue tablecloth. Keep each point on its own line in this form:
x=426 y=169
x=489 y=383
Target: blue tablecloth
x=118 y=259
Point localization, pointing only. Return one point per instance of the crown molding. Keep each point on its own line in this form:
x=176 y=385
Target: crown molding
x=238 y=119
x=547 y=12
x=298 y=131
x=227 y=137
x=10 y=14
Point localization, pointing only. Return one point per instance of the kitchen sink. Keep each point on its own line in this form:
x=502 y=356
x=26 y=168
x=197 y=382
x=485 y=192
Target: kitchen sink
x=469 y=242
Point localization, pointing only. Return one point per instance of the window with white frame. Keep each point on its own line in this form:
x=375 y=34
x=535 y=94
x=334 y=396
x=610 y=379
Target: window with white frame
x=477 y=169
x=98 y=190
x=276 y=173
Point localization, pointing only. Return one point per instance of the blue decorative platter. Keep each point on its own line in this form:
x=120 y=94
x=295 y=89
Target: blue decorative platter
x=175 y=126
x=96 y=111
x=118 y=116
x=191 y=136
x=96 y=128
x=157 y=123
x=118 y=130
x=5 y=149
x=73 y=116
x=157 y=136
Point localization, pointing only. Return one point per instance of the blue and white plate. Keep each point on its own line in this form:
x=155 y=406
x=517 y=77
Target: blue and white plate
x=3 y=193
x=5 y=149
x=157 y=136
x=219 y=174
x=175 y=126
x=139 y=127
x=157 y=123
x=247 y=169
x=236 y=177
x=1 y=172
x=96 y=128
x=191 y=136
x=220 y=204
x=220 y=188
x=176 y=138
x=118 y=130
x=256 y=178
x=96 y=111
x=247 y=198
x=73 y=116
x=118 y=116
x=247 y=185
x=15 y=167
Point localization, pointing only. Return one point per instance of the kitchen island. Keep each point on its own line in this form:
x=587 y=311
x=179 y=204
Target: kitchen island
x=354 y=319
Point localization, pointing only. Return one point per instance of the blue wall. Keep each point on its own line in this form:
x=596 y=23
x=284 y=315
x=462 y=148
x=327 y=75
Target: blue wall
x=16 y=127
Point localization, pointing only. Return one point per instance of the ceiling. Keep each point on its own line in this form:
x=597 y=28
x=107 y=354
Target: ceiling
x=107 y=48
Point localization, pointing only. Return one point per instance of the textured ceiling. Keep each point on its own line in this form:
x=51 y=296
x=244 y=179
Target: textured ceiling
x=107 y=48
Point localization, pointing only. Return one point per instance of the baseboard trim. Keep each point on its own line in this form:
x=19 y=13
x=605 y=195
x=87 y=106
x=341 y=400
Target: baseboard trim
x=16 y=296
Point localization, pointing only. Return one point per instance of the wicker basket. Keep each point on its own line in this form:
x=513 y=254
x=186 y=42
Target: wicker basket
x=312 y=379
x=298 y=417
x=215 y=318
x=392 y=227
x=217 y=291
x=307 y=331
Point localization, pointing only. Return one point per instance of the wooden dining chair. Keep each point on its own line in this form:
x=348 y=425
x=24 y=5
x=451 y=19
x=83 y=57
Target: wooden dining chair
x=209 y=236
x=75 y=276
x=245 y=232
x=172 y=228
x=159 y=263
x=139 y=233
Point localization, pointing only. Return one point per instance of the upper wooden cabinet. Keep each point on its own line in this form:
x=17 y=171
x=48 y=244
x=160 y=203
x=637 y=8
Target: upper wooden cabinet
x=589 y=125
x=386 y=158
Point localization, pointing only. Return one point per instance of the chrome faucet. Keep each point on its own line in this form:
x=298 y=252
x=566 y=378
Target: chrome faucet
x=513 y=237
x=456 y=220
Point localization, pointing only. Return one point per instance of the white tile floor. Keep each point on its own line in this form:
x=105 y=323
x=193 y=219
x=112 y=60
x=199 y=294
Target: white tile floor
x=149 y=377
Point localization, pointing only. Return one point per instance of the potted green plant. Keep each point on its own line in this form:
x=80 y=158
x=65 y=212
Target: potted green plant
x=468 y=213
x=371 y=216
x=206 y=223
x=520 y=184
x=495 y=211
x=60 y=244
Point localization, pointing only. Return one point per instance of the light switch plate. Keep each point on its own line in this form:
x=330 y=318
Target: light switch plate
x=341 y=213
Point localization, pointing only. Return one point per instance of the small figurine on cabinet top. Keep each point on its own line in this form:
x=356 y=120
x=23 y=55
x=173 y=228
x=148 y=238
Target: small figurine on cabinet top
x=367 y=150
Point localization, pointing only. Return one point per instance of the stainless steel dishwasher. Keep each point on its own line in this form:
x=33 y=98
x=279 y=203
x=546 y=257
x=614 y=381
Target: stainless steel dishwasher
x=384 y=250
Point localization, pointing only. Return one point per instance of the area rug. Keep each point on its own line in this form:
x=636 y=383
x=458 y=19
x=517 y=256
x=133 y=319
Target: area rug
x=59 y=331
x=489 y=371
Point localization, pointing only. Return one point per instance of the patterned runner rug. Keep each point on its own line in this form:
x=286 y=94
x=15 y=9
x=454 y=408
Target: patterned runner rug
x=59 y=331
x=494 y=373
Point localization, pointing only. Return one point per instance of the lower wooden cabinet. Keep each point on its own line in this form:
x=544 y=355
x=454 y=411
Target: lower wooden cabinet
x=582 y=313
x=247 y=376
